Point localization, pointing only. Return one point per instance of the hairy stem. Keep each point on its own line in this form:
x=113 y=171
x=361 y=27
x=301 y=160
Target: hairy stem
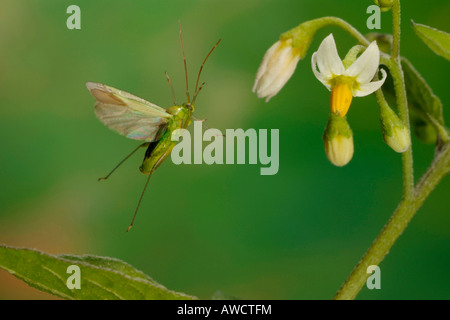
x=403 y=112
x=413 y=197
x=402 y=102
x=396 y=225
x=347 y=27
x=396 y=29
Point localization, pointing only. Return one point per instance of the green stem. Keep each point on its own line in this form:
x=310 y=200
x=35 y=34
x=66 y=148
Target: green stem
x=396 y=225
x=403 y=112
x=412 y=198
x=303 y=34
x=347 y=27
x=402 y=102
x=395 y=68
x=396 y=29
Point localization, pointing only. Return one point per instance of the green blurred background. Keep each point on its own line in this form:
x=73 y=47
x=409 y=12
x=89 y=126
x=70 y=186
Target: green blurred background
x=294 y=235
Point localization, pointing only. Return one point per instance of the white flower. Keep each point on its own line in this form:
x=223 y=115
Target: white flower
x=346 y=83
x=276 y=68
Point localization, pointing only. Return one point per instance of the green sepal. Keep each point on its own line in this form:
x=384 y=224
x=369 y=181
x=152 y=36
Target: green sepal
x=337 y=126
x=389 y=121
x=352 y=54
x=303 y=34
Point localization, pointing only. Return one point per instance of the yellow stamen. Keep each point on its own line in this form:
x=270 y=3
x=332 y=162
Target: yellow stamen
x=341 y=98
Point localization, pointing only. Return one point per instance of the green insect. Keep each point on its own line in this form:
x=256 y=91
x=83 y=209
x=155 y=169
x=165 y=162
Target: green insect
x=138 y=119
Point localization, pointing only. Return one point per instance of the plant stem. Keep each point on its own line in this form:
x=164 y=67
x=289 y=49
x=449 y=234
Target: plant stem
x=396 y=225
x=347 y=27
x=396 y=29
x=412 y=197
x=403 y=112
x=402 y=103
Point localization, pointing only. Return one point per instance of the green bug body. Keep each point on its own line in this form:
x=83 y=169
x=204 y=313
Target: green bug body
x=158 y=151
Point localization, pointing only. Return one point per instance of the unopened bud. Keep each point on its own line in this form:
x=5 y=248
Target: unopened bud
x=399 y=141
x=338 y=141
x=395 y=132
x=385 y=5
x=276 y=68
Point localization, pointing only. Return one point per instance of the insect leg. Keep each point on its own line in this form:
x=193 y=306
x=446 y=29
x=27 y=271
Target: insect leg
x=160 y=160
x=139 y=203
x=146 y=144
x=204 y=125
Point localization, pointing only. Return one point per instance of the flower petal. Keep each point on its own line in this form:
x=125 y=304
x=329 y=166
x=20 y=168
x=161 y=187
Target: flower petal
x=274 y=68
x=322 y=78
x=277 y=67
x=265 y=61
x=328 y=59
x=280 y=80
x=365 y=67
x=368 y=88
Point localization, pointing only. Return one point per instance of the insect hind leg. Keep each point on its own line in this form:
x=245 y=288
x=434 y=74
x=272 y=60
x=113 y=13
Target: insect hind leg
x=140 y=200
x=156 y=165
x=146 y=144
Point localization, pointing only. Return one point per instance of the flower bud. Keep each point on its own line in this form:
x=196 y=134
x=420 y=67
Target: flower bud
x=395 y=132
x=338 y=141
x=399 y=141
x=276 y=68
x=281 y=59
x=385 y=5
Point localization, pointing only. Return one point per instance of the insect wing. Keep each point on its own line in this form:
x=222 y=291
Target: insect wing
x=127 y=114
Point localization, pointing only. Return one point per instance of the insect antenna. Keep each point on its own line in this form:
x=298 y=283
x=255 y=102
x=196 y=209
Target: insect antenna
x=171 y=89
x=139 y=203
x=198 y=91
x=185 y=65
x=201 y=68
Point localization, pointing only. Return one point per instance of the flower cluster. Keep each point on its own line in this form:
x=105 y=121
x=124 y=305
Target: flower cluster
x=355 y=76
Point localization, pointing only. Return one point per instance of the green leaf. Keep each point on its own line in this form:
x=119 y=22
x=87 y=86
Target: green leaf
x=101 y=277
x=420 y=95
x=108 y=263
x=436 y=40
x=219 y=295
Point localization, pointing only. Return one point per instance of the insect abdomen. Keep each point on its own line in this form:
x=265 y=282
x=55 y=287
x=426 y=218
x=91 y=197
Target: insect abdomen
x=157 y=152
x=150 y=149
